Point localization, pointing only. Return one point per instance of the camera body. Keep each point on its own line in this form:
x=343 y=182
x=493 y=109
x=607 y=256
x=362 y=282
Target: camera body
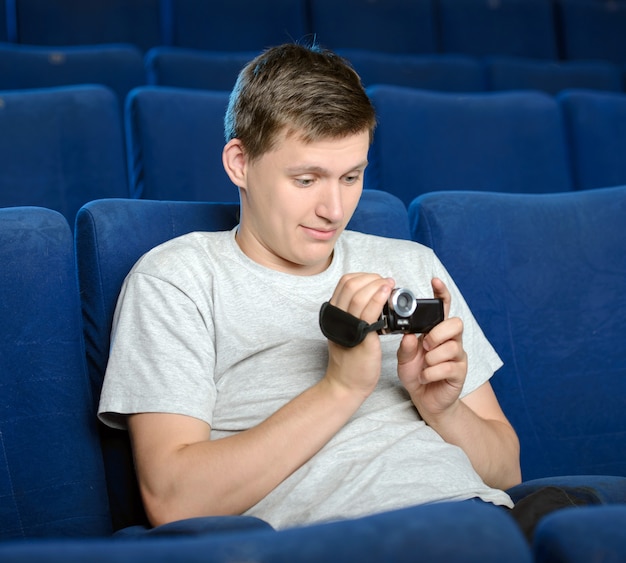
x=403 y=313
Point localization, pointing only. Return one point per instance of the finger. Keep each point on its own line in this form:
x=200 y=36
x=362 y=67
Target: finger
x=448 y=329
x=408 y=349
x=363 y=295
x=441 y=291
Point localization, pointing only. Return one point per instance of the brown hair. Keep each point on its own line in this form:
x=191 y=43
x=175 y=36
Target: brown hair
x=305 y=90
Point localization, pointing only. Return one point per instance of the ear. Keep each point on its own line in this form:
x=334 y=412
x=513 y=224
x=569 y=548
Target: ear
x=234 y=161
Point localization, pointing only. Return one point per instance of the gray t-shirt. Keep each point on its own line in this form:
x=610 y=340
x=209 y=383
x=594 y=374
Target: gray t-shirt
x=202 y=330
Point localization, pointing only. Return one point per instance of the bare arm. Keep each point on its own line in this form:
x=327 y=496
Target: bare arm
x=183 y=473
x=433 y=369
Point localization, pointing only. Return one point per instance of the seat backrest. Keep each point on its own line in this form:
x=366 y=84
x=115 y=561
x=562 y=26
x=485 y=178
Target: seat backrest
x=4 y=29
x=51 y=473
x=490 y=141
x=67 y=22
x=522 y=28
x=545 y=275
x=194 y=68
x=593 y=30
x=551 y=77
x=120 y=67
x=111 y=235
x=392 y=26
x=445 y=73
x=175 y=138
x=595 y=123
x=61 y=147
x=245 y=25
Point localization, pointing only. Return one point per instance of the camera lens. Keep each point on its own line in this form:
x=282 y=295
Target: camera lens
x=403 y=302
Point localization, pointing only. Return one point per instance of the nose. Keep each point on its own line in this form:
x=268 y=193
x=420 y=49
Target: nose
x=330 y=204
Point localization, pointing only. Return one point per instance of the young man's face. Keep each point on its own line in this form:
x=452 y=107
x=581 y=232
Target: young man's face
x=297 y=200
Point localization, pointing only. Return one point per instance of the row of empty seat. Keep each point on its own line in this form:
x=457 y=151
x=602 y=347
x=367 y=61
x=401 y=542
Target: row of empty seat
x=124 y=67
x=62 y=147
x=566 y=29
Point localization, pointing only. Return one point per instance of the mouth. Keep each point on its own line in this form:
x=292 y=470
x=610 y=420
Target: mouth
x=320 y=234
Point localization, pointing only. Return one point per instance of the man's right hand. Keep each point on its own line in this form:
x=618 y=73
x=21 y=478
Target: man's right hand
x=357 y=369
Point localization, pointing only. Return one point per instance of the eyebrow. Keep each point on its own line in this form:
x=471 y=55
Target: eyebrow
x=314 y=169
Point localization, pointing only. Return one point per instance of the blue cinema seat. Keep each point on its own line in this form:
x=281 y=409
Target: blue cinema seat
x=61 y=147
x=490 y=141
x=195 y=68
x=551 y=77
x=111 y=235
x=175 y=138
x=521 y=28
x=52 y=481
x=594 y=533
x=445 y=73
x=593 y=29
x=544 y=275
x=595 y=123
x=4 y=29
x=120 y=67
x=245 y=25
x=392 y=26
x=67 y=22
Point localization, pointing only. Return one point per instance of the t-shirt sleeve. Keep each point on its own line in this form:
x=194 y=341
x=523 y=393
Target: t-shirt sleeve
x=162 y=354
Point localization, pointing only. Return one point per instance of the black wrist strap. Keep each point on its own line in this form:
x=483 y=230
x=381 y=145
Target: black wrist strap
x=343 y=328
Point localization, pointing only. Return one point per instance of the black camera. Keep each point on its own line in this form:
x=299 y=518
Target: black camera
x=404 y=313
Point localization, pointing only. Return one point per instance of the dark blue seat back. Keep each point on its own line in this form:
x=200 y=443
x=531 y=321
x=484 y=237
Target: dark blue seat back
x=245 y=25
x=120 y=67
x=446 y=73
x=195 y=68
x=51 y=472
x=175 y=139
x=593 y=30
x=545 y=275
x=61 y=147
x=491 y=141
x=522 y=28
x=67 y=22
x=111 y=235
x=551 y=77
x=595 y=123
x=393 y=26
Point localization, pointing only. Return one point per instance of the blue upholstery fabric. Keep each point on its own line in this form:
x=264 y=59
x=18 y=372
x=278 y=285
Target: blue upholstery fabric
x=446 y=73
x=61 y=147
x=593 y=30
x=4 y=30
x=120 y=67
x=595 y=123
x=393 y=26
x=175 y=139
x=522 y=28
x=449 y=532
x=513 y=73
x=491 y=141
x=594 y=533
x=545 y=275
x=67 y=22
x=245 y=25
x=194 y=68
x=51 y=473
x=111 y=235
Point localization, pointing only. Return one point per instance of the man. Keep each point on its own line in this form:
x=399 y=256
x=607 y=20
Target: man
x=234 y=400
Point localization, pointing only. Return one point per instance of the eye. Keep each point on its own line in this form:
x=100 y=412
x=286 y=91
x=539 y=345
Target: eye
x=352 y=178
x=305 y=182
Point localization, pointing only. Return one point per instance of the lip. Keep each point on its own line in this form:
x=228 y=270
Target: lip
x=320 y=234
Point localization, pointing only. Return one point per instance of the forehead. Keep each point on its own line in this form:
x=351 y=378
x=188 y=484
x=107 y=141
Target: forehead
x=291 y=144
